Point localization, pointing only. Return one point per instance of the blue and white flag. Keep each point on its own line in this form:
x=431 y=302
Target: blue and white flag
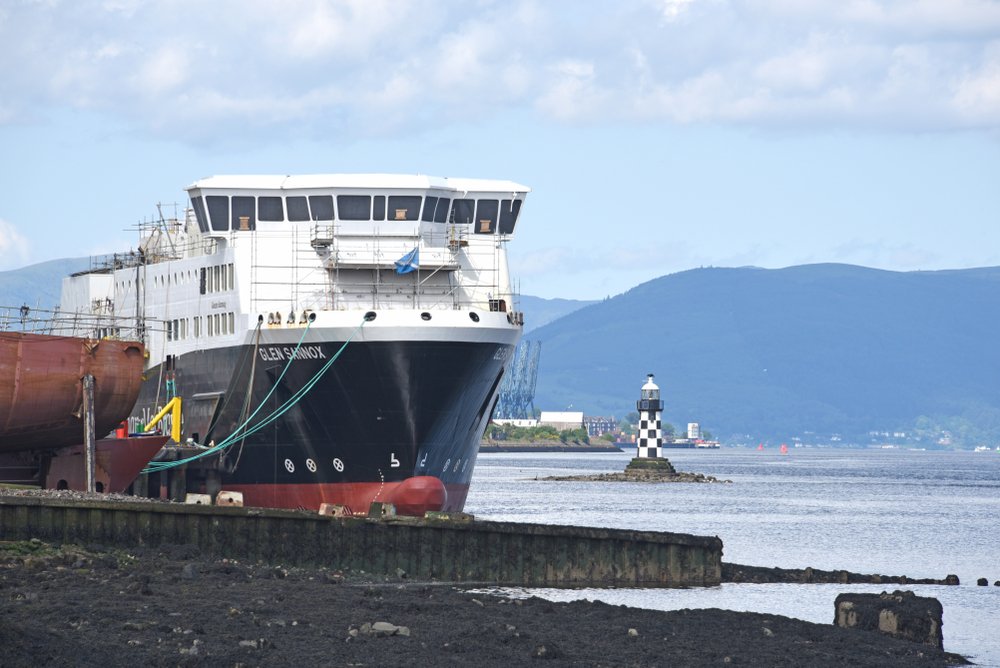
x=409 y=262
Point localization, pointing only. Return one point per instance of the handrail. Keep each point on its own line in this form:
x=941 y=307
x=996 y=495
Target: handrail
x=32 y=320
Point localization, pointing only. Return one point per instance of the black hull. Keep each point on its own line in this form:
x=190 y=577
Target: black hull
x=382 y=413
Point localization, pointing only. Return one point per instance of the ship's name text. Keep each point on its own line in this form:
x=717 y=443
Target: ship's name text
x=276 y=354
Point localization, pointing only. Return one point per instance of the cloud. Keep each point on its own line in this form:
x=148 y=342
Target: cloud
x=900 y=256
x=372 y=67
x=14 y=247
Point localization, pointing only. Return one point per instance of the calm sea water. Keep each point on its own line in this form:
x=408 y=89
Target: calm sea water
x=894 y=512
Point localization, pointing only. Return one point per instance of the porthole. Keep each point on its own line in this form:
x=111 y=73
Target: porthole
x=425 y=315
x=474 y=317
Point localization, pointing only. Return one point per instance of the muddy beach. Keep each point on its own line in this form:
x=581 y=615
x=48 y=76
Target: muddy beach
x=169 y=607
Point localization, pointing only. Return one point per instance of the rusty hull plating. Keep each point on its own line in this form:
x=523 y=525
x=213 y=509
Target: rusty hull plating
x=41 y=392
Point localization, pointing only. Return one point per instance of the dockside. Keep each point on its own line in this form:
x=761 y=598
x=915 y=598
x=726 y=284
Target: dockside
x=436 y=548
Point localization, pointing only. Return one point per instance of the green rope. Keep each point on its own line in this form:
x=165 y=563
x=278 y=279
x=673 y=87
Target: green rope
x=244 y=430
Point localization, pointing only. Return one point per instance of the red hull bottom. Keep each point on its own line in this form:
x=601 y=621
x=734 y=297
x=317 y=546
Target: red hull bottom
x=413 y=496
x=118 y=462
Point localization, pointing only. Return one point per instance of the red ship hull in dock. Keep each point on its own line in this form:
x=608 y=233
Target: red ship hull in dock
x=41 y=409
x=412 y=496
x=41 y=391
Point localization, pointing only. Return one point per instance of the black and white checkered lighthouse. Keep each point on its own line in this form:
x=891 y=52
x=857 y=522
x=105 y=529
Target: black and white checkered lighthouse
x=650 y=440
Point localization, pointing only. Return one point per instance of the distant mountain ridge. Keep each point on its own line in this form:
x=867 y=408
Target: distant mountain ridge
x=759 y=353
x=752 y=354
x=541 y=312
x=38 y=285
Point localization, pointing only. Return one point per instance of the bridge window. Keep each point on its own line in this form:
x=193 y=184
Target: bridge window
x=404 y=207
x=218 y=211
x=354 y=207
x=378 y=206
x=270 y=209
x=441 y=212
x=321 y=207
x=463 y=210
x=428 y=214
x=509 y=209
x=486 y=216
x=199 y=213
x=244 y=213
x=298 y=210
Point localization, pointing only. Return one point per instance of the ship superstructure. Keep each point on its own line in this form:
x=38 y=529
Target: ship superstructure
x=333 y=338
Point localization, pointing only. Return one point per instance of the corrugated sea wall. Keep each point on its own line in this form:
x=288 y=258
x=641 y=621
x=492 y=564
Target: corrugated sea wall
x=500 y=553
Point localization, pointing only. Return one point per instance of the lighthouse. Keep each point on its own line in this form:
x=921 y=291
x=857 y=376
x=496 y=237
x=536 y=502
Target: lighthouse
x=650 y=439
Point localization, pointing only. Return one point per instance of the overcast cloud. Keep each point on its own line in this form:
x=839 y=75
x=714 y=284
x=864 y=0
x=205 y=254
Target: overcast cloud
x=378 y=67
x=657 y=135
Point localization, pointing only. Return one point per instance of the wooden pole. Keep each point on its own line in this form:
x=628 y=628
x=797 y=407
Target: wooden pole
x=88 y=429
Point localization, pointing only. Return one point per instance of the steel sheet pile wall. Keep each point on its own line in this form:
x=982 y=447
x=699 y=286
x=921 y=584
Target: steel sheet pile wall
x=453 y=551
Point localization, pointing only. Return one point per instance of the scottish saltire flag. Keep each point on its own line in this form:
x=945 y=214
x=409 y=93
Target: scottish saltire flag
x=409 y=262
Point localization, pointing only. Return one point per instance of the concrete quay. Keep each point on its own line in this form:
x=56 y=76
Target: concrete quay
x=441 y=548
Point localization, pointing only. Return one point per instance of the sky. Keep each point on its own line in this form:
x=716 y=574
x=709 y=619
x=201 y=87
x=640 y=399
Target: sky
x=656 y=135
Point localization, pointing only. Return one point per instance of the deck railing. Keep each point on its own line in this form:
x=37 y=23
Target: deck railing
x=30 y=320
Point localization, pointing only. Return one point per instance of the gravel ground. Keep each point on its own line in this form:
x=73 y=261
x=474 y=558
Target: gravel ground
x=169 y=606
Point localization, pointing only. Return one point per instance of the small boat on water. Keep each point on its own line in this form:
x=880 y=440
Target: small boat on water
x=43 y=359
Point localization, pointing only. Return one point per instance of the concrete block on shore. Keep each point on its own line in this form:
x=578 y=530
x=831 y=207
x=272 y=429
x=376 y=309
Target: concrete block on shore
x=234 y=499
x=901 y=614
x=334 y=510
x=198 y=499
x=448 y=516
x=378 y=509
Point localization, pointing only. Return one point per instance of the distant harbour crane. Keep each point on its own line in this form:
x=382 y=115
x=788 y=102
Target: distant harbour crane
x=517 y=390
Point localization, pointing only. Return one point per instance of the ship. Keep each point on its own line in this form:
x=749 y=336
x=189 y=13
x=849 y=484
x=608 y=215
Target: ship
x=44 y=358
x=331 y=339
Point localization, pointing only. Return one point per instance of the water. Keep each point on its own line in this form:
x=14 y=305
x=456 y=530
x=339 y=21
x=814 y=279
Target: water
x=894 y=512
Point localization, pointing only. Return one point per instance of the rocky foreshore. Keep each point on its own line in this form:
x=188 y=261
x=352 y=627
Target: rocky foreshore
x=168 y=606
x=639 y=476
x=546 y=446
x=770 y=575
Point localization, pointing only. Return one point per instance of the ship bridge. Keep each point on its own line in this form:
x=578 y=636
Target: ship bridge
x=357 y=204
x=366 y=233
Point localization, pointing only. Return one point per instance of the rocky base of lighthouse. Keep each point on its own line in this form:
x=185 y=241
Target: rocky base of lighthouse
x=644 y=469
x=659 y=465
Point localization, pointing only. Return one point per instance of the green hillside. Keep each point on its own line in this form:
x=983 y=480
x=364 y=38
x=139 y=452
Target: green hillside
x=757 y=354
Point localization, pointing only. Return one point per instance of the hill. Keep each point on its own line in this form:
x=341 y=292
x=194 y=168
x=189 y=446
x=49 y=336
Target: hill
x=756 y=354
x=541 y=312
x=38 y=285
x=816 y=352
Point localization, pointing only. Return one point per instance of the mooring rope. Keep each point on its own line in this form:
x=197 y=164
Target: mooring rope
x=244 y=430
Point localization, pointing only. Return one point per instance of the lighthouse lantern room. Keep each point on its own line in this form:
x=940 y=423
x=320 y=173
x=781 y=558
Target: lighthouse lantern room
x=650 y=439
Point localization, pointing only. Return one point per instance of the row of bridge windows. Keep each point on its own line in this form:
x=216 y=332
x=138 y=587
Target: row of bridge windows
x=221 y=213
